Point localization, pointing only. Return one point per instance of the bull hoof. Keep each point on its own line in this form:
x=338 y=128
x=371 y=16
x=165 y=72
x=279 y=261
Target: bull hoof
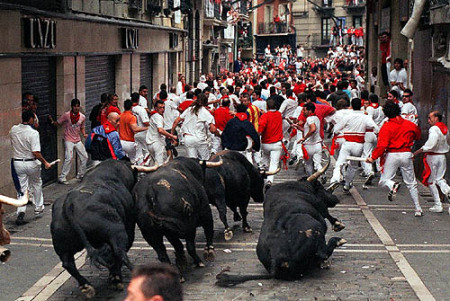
x=341 y=242
x=326 y=264
x=116 y=282
x=228 y=234
x=209 y=254
x=338 y=226
x=200 y=265
x=248 y=229
x=88 y=290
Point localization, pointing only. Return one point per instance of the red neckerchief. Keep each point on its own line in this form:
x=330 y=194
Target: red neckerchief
x=108 y=127
x=442 y=127
x=241 y=116
x=396 y=100
x=153 y=113
x=292 y=97
x=74 y=117
x=374 y=105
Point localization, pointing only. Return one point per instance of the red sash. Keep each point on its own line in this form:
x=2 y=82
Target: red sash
x=354 y=137
x=305 y=153
x=426 y=168
x=285 y=156
x=334 y=145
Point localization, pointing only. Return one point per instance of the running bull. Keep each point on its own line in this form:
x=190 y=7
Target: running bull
x=292 y=239
x=5 y=239
x=97 y=215
x=173 y=203
x=232 y=184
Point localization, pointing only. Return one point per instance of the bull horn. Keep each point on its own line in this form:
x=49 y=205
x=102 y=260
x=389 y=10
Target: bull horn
x=4 y=254
x=22 y=201
x=271 y=173
x=212 y=163
x=318 y=173
x=145 y=168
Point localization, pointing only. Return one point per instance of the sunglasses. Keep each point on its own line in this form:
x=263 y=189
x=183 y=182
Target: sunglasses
x=406 y=96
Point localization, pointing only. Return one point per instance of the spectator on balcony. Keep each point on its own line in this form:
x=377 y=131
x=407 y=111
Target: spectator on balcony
x=300 y=51
x=268 y=53
x=334 y=35
x=359 y=34
x=277 y=23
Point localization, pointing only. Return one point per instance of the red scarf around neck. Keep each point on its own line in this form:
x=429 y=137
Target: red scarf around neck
x=74 y=117
x=442 y=127
x=241 y=116
x=374 y=105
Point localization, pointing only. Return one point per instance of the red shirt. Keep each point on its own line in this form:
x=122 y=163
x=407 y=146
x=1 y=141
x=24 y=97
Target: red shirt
x=396 y=135
x=321 y=112
x=222 y=115
x=270 y=127
x=299 y=88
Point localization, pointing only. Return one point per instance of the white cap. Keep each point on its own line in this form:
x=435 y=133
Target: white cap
x=202 y=78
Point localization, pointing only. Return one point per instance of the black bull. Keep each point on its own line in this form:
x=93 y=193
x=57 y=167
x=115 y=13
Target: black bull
x=232 y=184
x=292 y=238
x=172 y=202
x=97 y=215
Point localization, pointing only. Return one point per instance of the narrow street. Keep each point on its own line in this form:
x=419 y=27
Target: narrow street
x=390 y=255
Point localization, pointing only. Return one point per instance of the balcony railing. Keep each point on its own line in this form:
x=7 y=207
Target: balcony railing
x=317 y=40
x=266 y=28
x=355 y=3
x=214 y=10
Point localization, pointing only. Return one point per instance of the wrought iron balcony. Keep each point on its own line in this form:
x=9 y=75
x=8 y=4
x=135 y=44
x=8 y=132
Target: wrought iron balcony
x=355 y=5
x=272 y=28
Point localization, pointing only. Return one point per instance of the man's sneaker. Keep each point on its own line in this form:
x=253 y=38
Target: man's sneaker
x=418 y=213
x=267 y=186
x=38 y=211
x=437 y=209
x=369 y=179
x=19 y=220
x=63 y=182
x=292 y=161
x=393 y=193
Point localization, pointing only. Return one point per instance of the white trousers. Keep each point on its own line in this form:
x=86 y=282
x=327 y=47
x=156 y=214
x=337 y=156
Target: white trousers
x=369 y=145
x=297 y=147
x=403 y=161
x=271 y=153
x=141 y=144
x=347 y=149
x=29 y=174
x=133 y=151
x=68 y=156
x=315 y=157
x=158 y=151
x=216 y=144
x=196 y=148
x=438 y=166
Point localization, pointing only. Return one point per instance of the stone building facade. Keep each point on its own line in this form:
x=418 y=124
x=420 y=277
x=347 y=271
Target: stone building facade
x=59 y=50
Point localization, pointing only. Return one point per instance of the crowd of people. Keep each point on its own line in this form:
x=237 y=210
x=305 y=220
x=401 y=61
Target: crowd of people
x=278 y=108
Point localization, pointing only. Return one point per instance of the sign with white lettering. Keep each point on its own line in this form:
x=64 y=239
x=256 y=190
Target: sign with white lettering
x=130 y=38
x=40 y=33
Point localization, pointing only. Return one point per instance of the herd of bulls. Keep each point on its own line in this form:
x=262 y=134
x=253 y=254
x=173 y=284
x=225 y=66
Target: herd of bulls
x=172 y=200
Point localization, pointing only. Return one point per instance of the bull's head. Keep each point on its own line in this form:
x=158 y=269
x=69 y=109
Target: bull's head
x=4 y=234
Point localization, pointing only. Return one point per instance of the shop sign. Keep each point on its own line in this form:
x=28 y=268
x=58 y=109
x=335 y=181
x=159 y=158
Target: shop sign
x=130 y=38
x=40 y=33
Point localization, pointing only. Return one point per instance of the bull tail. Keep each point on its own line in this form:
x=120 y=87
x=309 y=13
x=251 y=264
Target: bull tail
x=93 y=254
x=227 y=280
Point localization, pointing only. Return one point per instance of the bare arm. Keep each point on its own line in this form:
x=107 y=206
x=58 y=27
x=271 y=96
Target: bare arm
x=39 y=156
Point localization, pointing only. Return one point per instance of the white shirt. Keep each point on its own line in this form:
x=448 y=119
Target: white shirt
x=156 y=121
x=170 y=113
x=260 y=104
x=398 y=76
x=202 y=86
x=376 y=114
x=409 y=112
x=141 y=115
x=143 y=102
x=267 y=51
x=356 y=123
x=437 y=142
x=24 y=141
x=288 y=107
x=196 y=125
x=175 y=98
x=315 y=137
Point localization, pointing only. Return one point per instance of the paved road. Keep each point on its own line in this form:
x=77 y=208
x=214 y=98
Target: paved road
x=390 y=255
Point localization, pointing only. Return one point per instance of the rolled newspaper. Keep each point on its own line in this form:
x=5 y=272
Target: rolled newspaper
x=352 y=158
x=54 y=162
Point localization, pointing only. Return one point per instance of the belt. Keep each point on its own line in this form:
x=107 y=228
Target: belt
x=24 y=160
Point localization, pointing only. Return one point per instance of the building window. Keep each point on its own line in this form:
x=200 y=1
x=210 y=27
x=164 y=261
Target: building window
x=327 y=3
x=357 y=21
x=341 y=21
x=326 y=30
